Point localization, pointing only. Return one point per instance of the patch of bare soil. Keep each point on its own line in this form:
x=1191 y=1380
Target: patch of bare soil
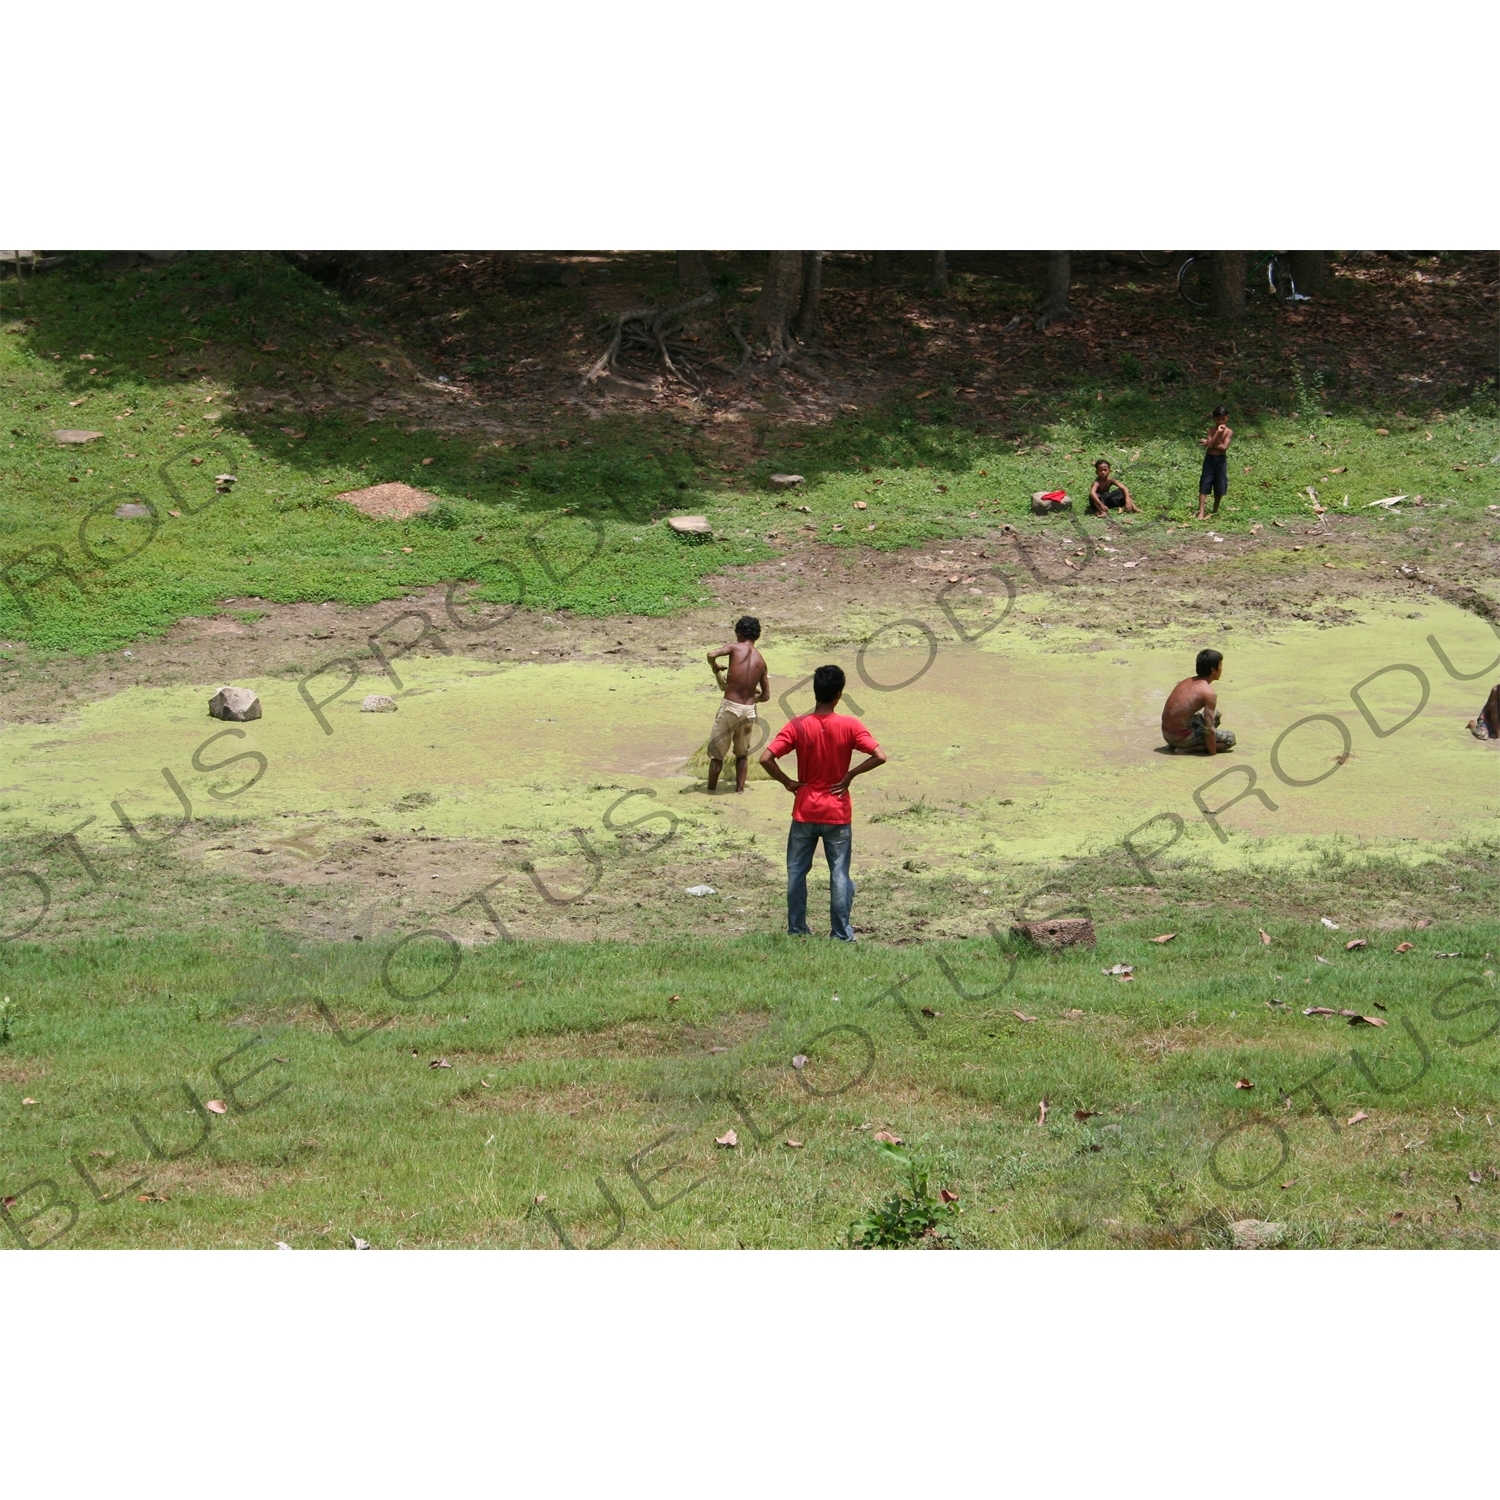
x=389 y=502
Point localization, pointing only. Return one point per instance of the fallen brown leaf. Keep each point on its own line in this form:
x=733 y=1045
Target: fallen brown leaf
x=673 y=999
x=8 y=1202
x=1397 y=1217
x=800 y=1060
x=946 y=1196
x=1423 y=923
x=1072 y=1015
x=1265 y=936
x=1243 y=1083
x=1084 y=1114
x=795 y=1145
x=217 y=1107
x=1021 y=1017
x=1366 y=1021
x=28 y=1101
x=426 y=460
x=729 y=1138
x=927 y=1010
x=888 y=1138
x=1403 y=947
x=1166 y=937
x=1320 y=1010
x=1476 y=1177
x=440 y=1062
x=1041 y=1119
x=1354 y=943
x=1356 y=1118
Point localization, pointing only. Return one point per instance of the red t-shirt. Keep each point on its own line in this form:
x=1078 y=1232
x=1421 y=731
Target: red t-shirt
x=825 y=744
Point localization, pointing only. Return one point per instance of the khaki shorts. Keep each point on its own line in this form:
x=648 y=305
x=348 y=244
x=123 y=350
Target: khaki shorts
x=731 y=731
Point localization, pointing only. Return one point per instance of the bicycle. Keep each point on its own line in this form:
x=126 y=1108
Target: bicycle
x=1272 y=266
x=1158 y=260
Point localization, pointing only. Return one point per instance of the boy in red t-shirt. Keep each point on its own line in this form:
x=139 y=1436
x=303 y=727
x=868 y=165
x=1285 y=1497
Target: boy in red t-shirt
x=824 y=742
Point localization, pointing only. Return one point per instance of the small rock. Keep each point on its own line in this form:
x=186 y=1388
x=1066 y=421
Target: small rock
x=690 y=525
x=1060 y=932
x=235 y=704
x=131 y=511
x=1256 y=1234
x=1042 y=506
x=378 y=703
x=75 y=435
x=701 y=890
x=223 y=482
x=786 y=481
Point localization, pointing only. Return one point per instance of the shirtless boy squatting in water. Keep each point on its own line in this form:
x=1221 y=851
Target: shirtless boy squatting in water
x=746 y=685
x=1215 y=462
x=1184 y=719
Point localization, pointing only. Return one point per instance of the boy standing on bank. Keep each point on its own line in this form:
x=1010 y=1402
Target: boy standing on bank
x=825 y=742
x=744 y=685
x=1215 y=462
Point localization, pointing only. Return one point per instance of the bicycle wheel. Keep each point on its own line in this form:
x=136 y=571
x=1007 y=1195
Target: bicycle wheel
x=1192 y=281
x=1279 y=280
x=1158 y=260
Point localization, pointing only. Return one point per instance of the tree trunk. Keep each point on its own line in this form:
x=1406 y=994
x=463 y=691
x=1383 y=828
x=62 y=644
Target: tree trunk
x=1055 y=299
x=881 y=266
x=780 y=292
x=1226 y=284
x=806 y=327
x=692 y=271
x=938 y=285
x=1308 y=271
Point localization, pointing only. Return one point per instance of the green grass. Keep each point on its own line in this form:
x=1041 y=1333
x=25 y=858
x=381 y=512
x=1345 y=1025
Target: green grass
x=572 y=518
x=574 y=1064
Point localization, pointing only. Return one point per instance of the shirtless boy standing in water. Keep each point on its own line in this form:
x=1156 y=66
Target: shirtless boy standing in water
x=745 y=685
x=1215 y=461
x=1185 y=719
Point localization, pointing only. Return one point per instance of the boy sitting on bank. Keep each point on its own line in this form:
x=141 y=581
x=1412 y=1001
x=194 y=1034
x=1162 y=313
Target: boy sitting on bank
x=1106 y=494
x=747 y=684
x=1186 y=717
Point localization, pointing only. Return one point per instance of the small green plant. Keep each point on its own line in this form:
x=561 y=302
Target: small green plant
x=1130 y=368
x=444 y=517
x=904 y=1218
x=6 y=1016
x=1169 y=372
x=1309 y=393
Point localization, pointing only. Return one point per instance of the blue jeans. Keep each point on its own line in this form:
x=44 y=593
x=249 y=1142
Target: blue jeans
x=838 y=845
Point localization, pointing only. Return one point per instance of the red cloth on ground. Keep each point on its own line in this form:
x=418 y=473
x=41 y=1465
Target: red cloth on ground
x=825 y=744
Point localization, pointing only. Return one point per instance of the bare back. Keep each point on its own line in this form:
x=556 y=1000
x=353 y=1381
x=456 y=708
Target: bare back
x=1191 y=694
x=745 y=678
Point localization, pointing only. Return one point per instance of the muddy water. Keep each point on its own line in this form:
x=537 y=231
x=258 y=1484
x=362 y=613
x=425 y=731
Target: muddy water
x=1002 y=747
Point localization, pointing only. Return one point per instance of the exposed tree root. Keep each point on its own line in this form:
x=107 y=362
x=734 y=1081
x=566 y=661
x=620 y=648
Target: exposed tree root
x=646 y=340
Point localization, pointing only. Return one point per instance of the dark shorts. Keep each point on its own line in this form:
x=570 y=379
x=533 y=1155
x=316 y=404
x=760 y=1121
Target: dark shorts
x=1114 y=499
x=1215 y=475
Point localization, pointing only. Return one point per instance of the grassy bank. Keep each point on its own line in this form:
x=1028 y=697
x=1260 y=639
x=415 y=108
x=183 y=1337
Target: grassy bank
x=571 y=1066
x=242 y=364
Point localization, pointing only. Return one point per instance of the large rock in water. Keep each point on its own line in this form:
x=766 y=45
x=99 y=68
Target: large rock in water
x=1059 y=932
x=235 y=704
